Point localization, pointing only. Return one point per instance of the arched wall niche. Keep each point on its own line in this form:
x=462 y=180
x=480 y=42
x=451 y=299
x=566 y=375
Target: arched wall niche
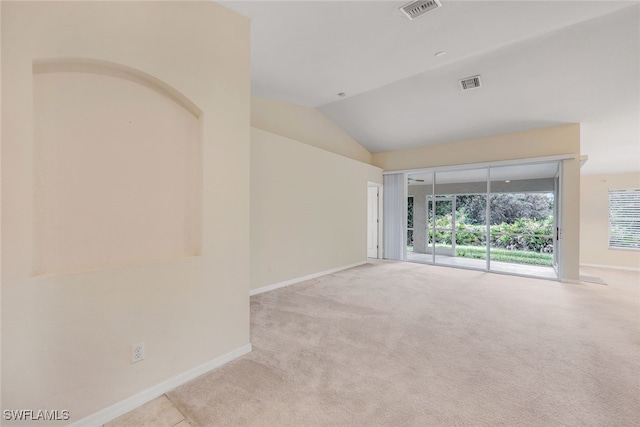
x=117 y=168
x=107 y=68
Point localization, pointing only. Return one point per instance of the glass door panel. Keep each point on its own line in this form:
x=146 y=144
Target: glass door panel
x=459 y=218
x=442 y=230
x=522 y=219
x=419 y=188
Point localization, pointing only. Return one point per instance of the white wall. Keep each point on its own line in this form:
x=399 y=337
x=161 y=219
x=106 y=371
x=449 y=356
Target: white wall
x=308 y=209
x=594 y=220
x=115 y=162
x=306 y=125
x=66 y=335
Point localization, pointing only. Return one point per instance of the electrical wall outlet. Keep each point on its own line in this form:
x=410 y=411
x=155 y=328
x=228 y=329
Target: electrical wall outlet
x=137 y=352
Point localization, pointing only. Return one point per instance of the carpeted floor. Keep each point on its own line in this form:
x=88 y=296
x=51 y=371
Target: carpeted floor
x=401 y=344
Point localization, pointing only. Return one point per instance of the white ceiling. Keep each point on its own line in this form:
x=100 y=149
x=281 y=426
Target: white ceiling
x=542 y=63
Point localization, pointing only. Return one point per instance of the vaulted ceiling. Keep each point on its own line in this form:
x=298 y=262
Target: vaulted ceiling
x=542 y=63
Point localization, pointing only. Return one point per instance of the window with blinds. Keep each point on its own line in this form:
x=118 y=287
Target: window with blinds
x=624 y=219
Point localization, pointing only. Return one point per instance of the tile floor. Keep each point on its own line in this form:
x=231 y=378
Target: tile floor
x=159 y=412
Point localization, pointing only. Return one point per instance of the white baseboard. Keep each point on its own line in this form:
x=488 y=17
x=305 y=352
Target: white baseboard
x=575 y=282
x=611 y=267
x=137 y=400
x=302 y=279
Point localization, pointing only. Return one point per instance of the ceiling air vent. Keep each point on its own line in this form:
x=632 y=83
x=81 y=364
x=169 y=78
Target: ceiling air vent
x=420 y=7
x=470 y=83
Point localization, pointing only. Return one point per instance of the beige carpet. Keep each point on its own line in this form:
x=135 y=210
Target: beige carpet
x=401 y=344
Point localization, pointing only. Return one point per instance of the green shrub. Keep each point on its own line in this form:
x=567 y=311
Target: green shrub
x=522 y=235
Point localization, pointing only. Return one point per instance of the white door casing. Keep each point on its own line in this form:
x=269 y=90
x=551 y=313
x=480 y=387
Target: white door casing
x=372 y=222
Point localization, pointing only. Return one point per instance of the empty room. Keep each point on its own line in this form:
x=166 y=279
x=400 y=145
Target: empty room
x=320 y=213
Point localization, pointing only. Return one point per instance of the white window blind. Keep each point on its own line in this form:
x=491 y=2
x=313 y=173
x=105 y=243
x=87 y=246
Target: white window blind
x=395 y=216
x=624 y=219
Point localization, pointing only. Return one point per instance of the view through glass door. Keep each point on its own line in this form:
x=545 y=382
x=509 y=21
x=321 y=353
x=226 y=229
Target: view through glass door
x=500 y=219
x=522 y=208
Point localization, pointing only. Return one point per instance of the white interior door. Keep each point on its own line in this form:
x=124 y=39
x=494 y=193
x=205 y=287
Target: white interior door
x=372 y=223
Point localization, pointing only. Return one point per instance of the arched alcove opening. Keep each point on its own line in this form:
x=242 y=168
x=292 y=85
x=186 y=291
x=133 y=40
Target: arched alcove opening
x=117 y=168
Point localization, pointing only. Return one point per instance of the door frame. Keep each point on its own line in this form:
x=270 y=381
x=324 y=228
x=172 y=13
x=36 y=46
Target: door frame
x=558 y=201
x=557 y=220
x=380 y=218
x=432 y=204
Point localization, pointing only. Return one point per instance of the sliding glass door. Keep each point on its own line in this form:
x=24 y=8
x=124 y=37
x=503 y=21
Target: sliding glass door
x=459 y=226
x=522 y=206
x=419 y=188
x=500 y=219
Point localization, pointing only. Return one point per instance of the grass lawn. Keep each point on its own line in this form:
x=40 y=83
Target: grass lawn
x=504 y=255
